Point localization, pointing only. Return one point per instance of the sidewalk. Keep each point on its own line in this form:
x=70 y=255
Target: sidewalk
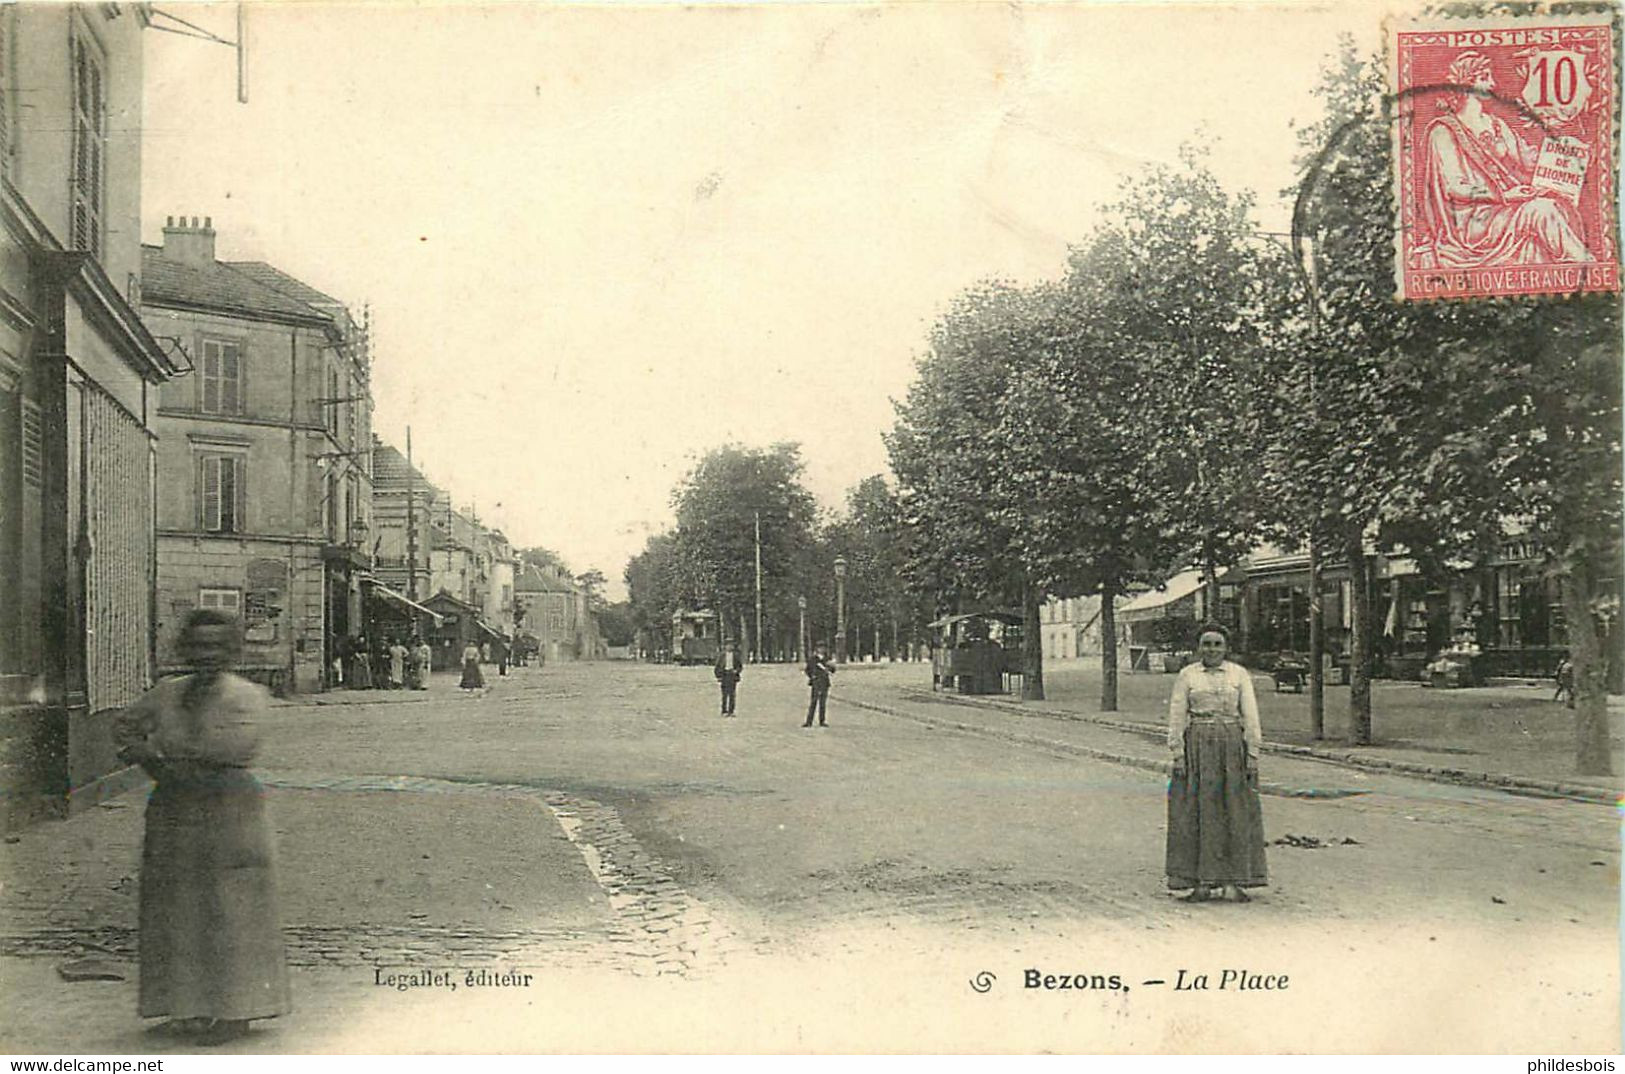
x=1507 y=737
x=442 y=684
x=374 y=871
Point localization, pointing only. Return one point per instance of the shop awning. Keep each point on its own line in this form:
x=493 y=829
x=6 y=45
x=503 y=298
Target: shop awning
x=491 y=630
x=1153 y=604
x=403 y=601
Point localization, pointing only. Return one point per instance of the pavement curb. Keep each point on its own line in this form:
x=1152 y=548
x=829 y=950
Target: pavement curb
x=1496 y=781
x=1163 y=768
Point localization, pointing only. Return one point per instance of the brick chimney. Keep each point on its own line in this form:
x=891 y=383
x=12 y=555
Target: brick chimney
x=188 y=243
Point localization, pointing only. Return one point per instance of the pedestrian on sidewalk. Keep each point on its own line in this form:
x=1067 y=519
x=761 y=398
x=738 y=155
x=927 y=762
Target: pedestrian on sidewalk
x=1564 y=678
x=423 y=660
x=819 y=670
x=211 y=942
x=397 y=664
x=728 y=672
x=1215 y=819
x=472 y=679
x=361 y=664
x=502 y=657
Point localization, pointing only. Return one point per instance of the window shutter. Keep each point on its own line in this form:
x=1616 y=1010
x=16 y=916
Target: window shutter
x=231 y=495
x=230 y=380
x=5 y=99
x=211 y=492
x=211 y=376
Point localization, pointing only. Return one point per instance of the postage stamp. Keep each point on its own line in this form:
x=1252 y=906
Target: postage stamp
x=1504 y=157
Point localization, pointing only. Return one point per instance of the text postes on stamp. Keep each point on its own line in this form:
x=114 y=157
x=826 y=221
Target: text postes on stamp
x=1504 y=158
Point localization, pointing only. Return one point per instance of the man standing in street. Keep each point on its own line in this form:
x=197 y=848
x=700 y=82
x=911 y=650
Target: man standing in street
x=728 y=672
x=819 y=670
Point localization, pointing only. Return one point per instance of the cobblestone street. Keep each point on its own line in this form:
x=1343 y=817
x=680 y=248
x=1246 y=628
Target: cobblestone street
x=749 y=884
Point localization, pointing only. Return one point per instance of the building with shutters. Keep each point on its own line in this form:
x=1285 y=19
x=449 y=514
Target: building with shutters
x=79 y=376
x=265 y=488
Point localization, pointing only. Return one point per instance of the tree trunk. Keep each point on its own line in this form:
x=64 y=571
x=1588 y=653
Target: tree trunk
x=1210 y=596
x=1359 y=641
x=1108 y=647
x=1317 y=646
x=1592 y=755
x=892 y=656
x=1032 y=646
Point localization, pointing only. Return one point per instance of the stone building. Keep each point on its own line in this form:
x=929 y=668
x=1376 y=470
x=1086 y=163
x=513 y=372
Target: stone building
x=78 y=380
x=557 y=614
x=265 y=492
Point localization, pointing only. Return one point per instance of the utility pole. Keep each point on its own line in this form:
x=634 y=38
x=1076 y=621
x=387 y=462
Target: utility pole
x=1307 y=271
x=801 y=639
x=758 y=516
x=411 y=524
x=840 y=609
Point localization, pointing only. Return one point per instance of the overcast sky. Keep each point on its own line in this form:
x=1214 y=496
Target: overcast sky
x=598 y=242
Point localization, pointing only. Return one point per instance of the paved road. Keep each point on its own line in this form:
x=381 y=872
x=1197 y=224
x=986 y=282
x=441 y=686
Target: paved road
x=749 y=884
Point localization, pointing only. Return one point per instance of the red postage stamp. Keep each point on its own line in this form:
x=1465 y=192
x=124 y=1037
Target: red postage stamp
x=1505 y=158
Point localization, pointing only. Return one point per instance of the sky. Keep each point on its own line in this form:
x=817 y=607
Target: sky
x=598 y=241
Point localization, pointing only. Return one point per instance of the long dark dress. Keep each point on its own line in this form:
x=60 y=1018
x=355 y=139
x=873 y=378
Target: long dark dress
x=1215 y=820
x=211 y=940
x=472 y=678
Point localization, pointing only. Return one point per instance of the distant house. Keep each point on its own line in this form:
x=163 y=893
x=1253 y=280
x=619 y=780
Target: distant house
x=557 y=614
x=1070 y=627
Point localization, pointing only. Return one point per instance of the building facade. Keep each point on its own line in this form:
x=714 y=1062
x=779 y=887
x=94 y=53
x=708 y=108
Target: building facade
x=557 y=615
x=78 y=379
x=1070 y=627
x=265 y=494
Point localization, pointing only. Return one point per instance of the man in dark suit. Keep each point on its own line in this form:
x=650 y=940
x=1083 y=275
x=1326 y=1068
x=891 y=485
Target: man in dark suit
x=728 y=671
x=819 y=669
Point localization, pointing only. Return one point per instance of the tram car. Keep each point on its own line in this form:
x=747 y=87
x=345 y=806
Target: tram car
x=976 y=653
x=696 y=637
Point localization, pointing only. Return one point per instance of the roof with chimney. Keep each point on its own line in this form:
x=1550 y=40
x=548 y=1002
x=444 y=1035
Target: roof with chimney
x=219 y=287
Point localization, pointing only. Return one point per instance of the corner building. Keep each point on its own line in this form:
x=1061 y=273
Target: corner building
x=265 y=494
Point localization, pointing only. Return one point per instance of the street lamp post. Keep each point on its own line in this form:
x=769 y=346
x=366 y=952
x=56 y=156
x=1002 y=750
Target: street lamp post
x=840 y=609
x=801 y=638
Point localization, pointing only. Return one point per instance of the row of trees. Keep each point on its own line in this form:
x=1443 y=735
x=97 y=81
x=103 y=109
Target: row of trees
x=735 y=498
x=1193 y=386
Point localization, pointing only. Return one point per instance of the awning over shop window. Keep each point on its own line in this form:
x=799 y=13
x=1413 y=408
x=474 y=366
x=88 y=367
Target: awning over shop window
x=1154 y=604
x=403 y=601
x=491 y=630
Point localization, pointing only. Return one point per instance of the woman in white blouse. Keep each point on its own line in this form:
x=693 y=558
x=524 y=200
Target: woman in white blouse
x=1215 y=822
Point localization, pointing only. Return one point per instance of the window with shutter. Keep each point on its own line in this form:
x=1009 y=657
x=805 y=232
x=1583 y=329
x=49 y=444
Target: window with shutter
x=222 y=381
x=221 y=493
x=5 y=89
x=89 y=146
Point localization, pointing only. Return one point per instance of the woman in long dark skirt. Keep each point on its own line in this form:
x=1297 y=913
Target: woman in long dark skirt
x=1215 y=821
x=472 y=678
x=211 y=942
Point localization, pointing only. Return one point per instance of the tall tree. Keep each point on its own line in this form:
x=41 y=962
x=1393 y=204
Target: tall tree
x=732 y=494
x=1195 y=314
x=1079 y=439
x=653 y=589
x=1442 y=421
x=948 y=460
